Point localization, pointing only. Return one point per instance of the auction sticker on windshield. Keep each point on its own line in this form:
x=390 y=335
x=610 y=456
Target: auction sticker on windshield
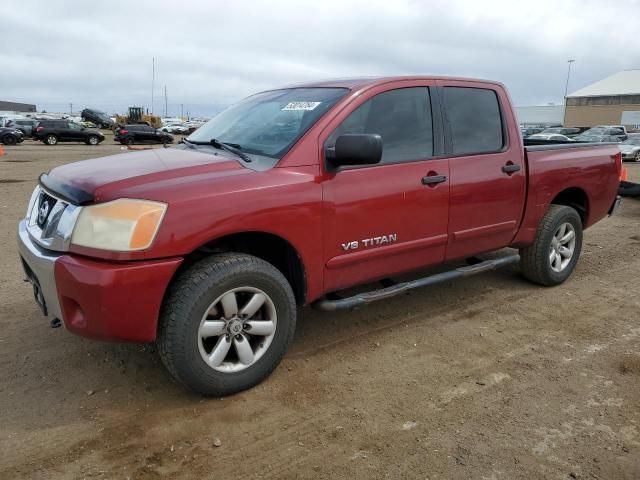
x=301 y=105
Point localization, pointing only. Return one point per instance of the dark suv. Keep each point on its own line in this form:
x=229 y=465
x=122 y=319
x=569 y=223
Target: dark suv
x=53 y=131
x=130 y=134
x=101 y=119
x=25 y=125
x=10 y=136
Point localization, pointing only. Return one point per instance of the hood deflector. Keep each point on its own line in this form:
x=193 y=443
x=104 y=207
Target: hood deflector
x=64 y=191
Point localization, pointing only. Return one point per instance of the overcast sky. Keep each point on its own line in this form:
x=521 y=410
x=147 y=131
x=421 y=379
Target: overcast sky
x=210 y=54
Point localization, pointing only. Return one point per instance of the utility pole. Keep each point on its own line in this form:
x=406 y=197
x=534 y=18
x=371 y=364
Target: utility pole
x=153 y=79
x=166 y=109
x=566 y=86
x=71 y=109
x=182 y=111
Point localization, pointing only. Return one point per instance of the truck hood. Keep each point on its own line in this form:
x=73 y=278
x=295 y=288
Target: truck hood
x=101 y=178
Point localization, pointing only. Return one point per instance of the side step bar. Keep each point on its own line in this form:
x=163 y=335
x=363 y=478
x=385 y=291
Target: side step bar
x=369 y=297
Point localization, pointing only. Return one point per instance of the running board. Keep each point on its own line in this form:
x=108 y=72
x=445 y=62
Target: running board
x=368 y=297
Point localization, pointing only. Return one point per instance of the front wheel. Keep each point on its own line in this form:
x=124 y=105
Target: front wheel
x=637 y=157
x=226 y=323
x=10 y=139
x=93 y=140
x=556 y=249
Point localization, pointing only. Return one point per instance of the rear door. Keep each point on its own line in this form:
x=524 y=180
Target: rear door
x=487 y=171
x=383 y=219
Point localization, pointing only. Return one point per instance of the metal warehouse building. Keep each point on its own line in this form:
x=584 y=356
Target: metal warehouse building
x=614 y=100
x=16 y=107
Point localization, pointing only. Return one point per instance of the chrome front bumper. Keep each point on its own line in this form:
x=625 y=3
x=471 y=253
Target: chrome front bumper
x=39 y=268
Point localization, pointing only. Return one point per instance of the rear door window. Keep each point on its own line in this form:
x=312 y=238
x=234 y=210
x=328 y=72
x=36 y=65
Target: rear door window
x=474 y=119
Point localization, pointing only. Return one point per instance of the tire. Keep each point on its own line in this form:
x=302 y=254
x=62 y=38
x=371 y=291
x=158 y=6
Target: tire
x=538 y=262
x=198 y=292
x=93 y=140
x=637 y=157
x=9 y=139
x=51 y=140
x=128 y=141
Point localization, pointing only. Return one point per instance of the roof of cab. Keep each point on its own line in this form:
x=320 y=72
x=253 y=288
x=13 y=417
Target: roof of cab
x=360 y=82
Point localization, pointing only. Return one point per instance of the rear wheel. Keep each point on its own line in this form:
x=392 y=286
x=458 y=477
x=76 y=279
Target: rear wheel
x=51 y=140
x=226 y=323
x=556 y=249
x=637 y=157
x=129 y=141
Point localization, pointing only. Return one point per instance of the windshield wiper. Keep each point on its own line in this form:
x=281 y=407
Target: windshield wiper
x=188 y=143
x=231 y=148
x=215 y=143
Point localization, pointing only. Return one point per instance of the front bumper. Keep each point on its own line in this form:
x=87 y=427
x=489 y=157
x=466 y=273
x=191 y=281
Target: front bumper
x=117 y=301
x=40 y=263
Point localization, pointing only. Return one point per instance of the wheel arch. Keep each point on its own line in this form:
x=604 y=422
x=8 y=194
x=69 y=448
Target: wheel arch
x=576 y=198
x=268 y=246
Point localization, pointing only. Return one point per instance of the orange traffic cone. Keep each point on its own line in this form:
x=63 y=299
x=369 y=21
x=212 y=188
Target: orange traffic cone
x=1 y=150
x=624 y=174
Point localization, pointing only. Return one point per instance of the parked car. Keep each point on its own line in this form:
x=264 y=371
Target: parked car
x=99 y=118
x=527 y=132
x=630 y=148
x=176 y=128
x=193 y=126
x=25 y=125
x=566 y=131
x=53 y=131
x=604 y=130
x=11 y=136
x=292 y=194
x=595 y=137
x=550 y=136
x=130 y=134
x=616 y=127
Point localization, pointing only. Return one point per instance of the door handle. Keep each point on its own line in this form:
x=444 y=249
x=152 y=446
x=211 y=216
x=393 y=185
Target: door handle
x=433 y=179
x=510 y=168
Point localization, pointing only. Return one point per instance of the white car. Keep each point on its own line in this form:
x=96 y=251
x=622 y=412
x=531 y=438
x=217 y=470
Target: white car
x=550 y=136
x=175 y=128
x=630 y=148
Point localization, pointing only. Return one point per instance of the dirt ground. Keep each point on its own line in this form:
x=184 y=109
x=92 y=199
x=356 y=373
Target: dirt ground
x=488 y=378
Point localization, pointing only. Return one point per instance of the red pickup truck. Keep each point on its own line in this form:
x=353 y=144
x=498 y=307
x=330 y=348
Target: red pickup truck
x=292 y=195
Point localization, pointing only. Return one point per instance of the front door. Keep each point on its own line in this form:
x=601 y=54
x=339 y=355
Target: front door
x=391 y=217
x=487 y=171
x=74 y=133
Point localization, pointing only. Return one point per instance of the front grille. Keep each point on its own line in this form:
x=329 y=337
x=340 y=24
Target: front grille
x=50 y=220
x=46 y=203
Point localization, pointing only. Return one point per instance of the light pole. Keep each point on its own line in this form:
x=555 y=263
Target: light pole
x=566 y=86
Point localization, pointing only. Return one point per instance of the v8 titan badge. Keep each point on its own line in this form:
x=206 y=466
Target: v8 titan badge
x=370 y=242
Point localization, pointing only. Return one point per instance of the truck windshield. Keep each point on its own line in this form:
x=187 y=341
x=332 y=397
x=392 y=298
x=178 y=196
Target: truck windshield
x=269 y=123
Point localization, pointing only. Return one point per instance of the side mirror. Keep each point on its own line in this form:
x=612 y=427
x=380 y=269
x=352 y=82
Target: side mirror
x=356 y=149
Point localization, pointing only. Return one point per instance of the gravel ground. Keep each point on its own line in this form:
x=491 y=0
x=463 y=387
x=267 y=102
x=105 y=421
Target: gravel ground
x=490 y=377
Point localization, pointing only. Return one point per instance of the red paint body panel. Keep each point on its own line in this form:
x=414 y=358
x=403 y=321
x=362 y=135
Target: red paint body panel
x=479 y=208
x=112 y=301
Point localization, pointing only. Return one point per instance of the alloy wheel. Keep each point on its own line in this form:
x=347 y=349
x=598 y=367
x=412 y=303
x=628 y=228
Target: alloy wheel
x=562 y=247
x=237 y=329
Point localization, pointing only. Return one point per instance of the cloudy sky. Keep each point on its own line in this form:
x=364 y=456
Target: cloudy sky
x=211 y=53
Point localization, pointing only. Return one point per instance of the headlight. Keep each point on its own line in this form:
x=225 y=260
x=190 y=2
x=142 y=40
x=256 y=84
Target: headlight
x=121 y=225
